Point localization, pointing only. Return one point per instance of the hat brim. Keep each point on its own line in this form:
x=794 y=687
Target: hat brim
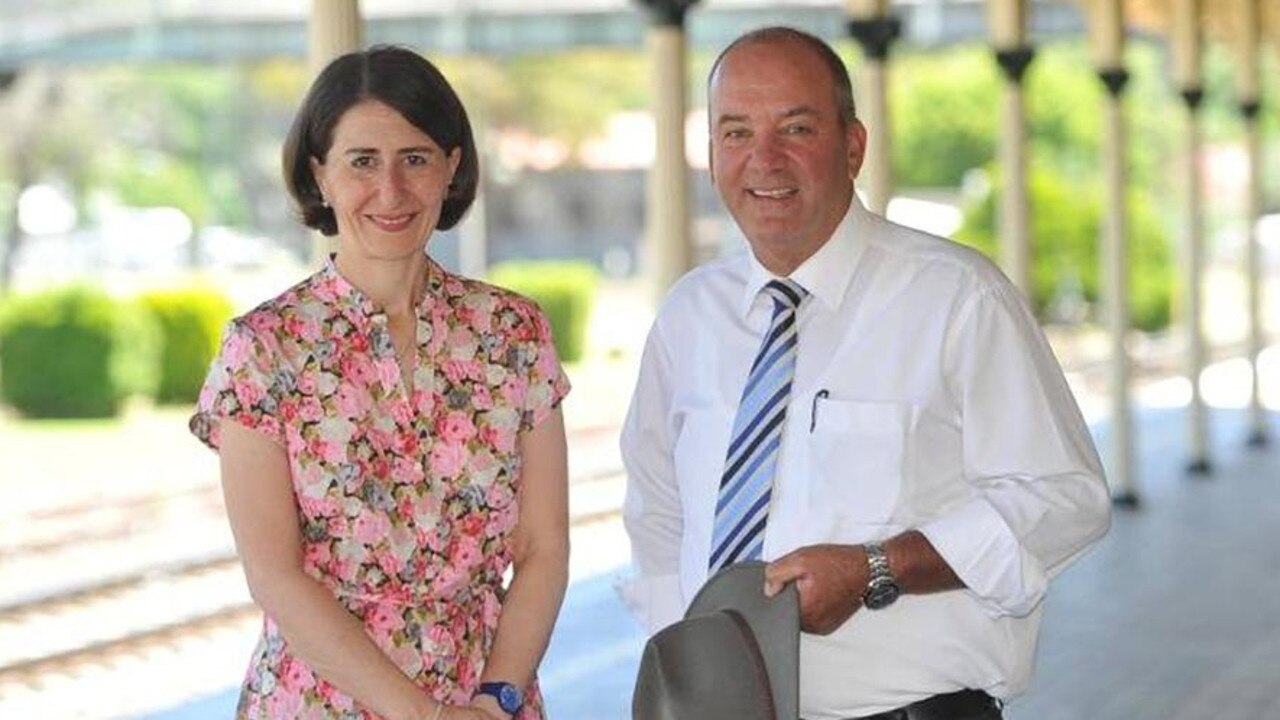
x=706 y=667
x=774 y=622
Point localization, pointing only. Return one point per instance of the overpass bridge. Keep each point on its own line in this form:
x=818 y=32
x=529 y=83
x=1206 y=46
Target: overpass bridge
x=104 y=31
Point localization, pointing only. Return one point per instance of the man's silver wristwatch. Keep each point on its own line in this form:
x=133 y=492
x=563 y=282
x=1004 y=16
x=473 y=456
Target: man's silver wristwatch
x=882 y=586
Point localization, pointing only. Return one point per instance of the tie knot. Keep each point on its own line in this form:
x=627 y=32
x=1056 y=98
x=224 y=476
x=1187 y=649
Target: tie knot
x=786 y=293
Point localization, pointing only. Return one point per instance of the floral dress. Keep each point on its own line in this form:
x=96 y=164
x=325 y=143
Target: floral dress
x=406 y=501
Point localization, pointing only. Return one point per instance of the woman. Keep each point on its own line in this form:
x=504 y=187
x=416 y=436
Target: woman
x=390 y=433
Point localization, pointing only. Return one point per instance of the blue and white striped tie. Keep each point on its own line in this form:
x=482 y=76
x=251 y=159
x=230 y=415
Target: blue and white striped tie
x=747 y=484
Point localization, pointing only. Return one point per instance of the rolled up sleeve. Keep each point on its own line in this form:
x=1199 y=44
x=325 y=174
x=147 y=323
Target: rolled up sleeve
x=1041 y=499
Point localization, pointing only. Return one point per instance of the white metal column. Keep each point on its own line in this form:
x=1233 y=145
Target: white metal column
x=668 y=247
x=1249 y=33
x=1106 y=33
x=1186 y=43
x=1008 y=38
x=875 y=31
x=334 y=28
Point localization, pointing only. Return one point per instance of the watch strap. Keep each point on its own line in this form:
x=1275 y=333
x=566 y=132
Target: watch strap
x=877 y=561
x=882 y=587
x=510 y=698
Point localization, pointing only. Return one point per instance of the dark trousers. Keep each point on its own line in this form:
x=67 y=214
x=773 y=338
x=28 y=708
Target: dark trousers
x=962 y=705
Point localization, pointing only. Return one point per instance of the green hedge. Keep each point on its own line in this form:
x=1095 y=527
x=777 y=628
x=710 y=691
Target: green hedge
x=1066 y=243
x=191 y=323
x=74 y=352
x=565 y=290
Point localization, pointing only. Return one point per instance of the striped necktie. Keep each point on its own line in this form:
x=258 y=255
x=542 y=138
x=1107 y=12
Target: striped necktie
x=743 y=506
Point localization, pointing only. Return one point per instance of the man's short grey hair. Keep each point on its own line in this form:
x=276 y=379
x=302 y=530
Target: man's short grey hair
x=840 y=82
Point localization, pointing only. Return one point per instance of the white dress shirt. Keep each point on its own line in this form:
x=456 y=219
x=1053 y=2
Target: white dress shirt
x=926 y=397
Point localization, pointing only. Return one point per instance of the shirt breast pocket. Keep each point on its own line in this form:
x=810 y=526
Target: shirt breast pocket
x=858 y=453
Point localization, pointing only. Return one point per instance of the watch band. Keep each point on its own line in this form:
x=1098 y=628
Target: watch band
x=510 y=698
x=882 y=587
x=877 y=560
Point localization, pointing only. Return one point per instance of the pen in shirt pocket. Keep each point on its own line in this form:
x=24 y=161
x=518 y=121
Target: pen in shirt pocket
x=813 y=409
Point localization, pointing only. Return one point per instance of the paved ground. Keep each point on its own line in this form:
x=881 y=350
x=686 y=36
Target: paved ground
x=1172 y=616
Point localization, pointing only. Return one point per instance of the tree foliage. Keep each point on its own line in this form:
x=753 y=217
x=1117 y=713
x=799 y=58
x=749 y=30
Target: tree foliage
x=944 y=115
x=568 y=96
x=202 y=138
x=1066 y=229
x=946 y=108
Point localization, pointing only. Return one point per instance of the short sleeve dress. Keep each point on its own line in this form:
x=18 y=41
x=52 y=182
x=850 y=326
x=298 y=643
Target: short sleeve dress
x=406 y=501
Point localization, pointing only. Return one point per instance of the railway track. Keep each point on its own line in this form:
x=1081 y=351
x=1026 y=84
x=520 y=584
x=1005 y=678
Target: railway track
x=99 y=519
x=167 y=593
x=129 y=644
x=153 y=604
x=92 y=623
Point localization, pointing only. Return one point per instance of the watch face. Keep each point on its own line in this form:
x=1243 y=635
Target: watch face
x=510 y=699
x=881 y=595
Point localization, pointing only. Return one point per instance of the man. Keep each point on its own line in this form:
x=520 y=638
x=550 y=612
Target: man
x=884 y=422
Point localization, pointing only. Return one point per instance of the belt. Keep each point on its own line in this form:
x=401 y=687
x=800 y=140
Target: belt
x=960 y=705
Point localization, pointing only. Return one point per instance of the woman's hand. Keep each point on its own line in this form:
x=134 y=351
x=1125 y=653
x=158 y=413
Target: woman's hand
x=467 y=712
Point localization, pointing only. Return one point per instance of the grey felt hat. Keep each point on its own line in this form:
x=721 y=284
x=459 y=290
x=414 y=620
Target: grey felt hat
x=734 y=656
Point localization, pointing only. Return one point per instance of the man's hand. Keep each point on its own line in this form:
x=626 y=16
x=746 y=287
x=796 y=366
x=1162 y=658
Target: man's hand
x=830 y=578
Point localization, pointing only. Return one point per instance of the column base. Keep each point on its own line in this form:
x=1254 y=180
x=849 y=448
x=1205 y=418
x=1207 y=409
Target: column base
x=1125 y=501
x=1258 y=439
x=1199 y=467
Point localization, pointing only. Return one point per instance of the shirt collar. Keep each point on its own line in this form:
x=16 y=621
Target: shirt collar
x=828 y=272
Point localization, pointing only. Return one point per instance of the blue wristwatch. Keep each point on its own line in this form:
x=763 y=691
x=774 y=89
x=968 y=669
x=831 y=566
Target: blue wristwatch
x=510 y=698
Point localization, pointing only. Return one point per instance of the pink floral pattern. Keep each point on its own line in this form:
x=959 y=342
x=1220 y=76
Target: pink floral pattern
x=406 y=500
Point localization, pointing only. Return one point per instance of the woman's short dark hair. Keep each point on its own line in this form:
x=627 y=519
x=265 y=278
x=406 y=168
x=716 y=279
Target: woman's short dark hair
x=401 y=79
